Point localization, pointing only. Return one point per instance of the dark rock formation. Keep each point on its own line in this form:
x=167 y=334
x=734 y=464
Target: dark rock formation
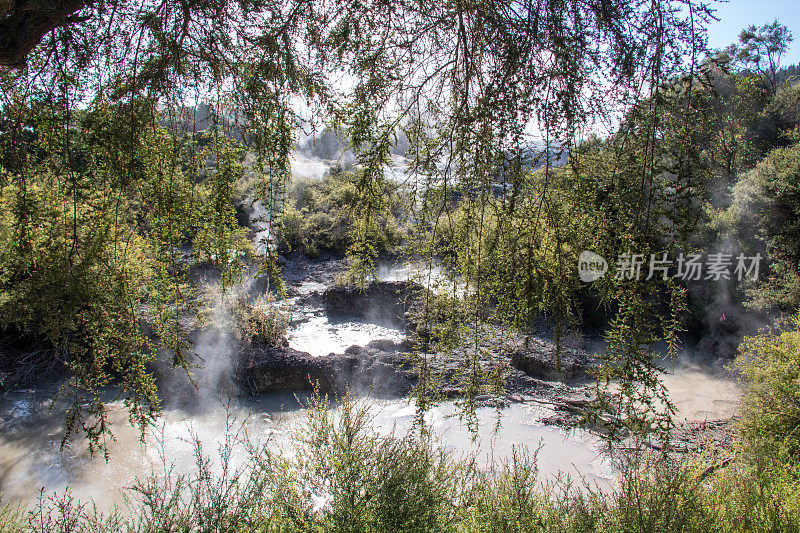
x=539 y=359
x=382 y=302
x=359 y=369
x=529 y=365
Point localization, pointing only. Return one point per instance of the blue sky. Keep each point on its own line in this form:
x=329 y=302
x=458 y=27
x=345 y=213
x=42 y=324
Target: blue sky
x=735 y=15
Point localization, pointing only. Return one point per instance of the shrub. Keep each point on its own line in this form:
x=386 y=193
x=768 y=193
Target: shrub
x=320 y=214
x=658 y=495
x=754 y=493
x=507 y=499
x=770 y=363
x=263 y=321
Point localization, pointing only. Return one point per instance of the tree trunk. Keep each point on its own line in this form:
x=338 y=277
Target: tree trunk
x=24 y=23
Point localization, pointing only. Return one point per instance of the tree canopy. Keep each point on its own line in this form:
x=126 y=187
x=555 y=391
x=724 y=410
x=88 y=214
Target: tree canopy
x=110 y=174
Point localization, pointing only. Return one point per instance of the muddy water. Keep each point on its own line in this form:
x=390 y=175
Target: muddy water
x=702 y=392
x=31 y=458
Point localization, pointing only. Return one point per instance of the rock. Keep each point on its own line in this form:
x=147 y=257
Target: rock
x=538 y=359
x=356 y=350
x=385 y=345
x=363 y=370
x=382 y=302
x=376 y=347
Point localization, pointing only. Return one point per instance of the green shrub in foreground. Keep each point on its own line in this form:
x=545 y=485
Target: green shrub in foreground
x=770 y=363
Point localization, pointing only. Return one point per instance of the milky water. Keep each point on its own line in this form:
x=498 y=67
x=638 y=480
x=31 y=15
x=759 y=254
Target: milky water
x=702 y=392
x=318 y=336
x=313 y=332
x=31 y=458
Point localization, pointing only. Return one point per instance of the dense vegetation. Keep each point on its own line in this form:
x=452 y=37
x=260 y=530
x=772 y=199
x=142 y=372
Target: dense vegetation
x=137 y=141
x=319 y=215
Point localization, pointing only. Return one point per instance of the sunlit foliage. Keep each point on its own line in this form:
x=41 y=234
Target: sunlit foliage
x=126 y=131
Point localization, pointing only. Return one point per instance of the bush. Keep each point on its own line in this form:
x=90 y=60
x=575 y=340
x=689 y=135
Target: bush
x=658 y=495
x=321 y=213
x=770 y=363
x=264 y=321
x=506 y=499
x=372 y=482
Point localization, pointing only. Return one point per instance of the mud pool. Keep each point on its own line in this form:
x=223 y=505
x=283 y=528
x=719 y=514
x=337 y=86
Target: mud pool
x=31 y=458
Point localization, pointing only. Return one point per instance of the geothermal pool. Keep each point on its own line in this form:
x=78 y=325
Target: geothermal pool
x=31 y=458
